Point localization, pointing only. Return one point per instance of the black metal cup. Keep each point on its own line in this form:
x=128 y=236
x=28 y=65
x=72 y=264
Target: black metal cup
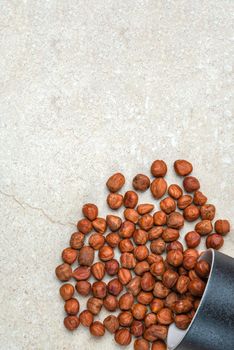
x=212 y=327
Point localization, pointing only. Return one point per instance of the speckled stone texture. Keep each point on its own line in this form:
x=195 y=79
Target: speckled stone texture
x=89 y=88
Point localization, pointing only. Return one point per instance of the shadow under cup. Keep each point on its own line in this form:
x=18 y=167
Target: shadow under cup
x=212 y=327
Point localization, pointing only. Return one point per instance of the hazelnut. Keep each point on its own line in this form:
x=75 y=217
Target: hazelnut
x=86 y=318
x=63 y=272
x=111 y=323
x=141 y=252
x=69 y=255
x=214 y=241
x=170 y=234
x=112 y=267
x=204 y=227
x=191 y=252
x=97 y=329
x=182 y=284
x=182 y=306
x=175 y=257
x=159 y=345
x=141 y=267
x=130 y=199
x=131 y=215
x=141 y=182
x=83 y=288
x=137 y=328
x=155 y=232
x=94 y=305
x=158 y=187
x=99 y=225
x=147 y=282
x=199 y=198
x=207 y=212
x=114 y=200
x=115 y=287
x=158 y=246
x=175 y=191
x=182 y=321
x=139 y=311
x=72 y=306
x=174 y=246
x=175 y=220
x=168 y=205
x=96 y=241
x=191 y=213
x=66 y=291
x=81 y=273
x=184 y=201
x=156 y=331
x=106 y=253
x=202 y=268
x=99 y=289
x=113 y=222
x=126 y=245
x=128 y=260
x=86 y=256
x=153 y=258
x=123 y=337
x=170 y=278
x=157 y=269
x=115 y=182
x=126 y=301
x=182 y=271
x=170 y=299
x=156 y=305
x=141 y=344
x=158 y=168
x=111 y=303
x=145 y=298
x=90 y=211
x=98 y=270
x=160 y=291
x=183 y=167
x=165 y=316
x=126 y=230
x=192 y=274
x=134 y=286
x=112 y=239
x=191 y=184
x=77 y=240
x=125 y=318
x=150 y=319
x=222 y=227
x=124 y=276
x=189 y=262
x=145 y=208
x=146 y=222
x=140 y=237
x=84 y=226
x=71 y=322
x=160 y=218
x=192 y=239
x=196 y=287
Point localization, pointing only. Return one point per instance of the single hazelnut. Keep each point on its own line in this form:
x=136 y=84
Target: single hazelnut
x=111 y=323
x=81 y=273
x=139 y=311
x=69 y=255
x=192 y=275
x=158 y=187
x=130 y=199
x=170 y=299
x=165 y=316
x=150 y=319
x=182 y=321
x=141 y=344
x=158 y=246
x=141 y=252
x=98 y=270
x=113 y=222
x=127 y=229
x=196 y=287
x=184 y=201
x=72 y=306
x=214 y=241
x=207 y=211
x=156 y=305
x=131 y=215
x=124 y=276
x=137 y=328
x=94 y=305
x=170 y=278
x=126 y=301
x=175 y=191
x=175 y=220
x=155 y=232
x=154 y=258
x=182 y=284
x=156 y=331
x=182 y=306
x=147 y=282
x=145 y=208
x=160 y=218
x=146 y=222
x=112 y=267
x=189 y=262
x=115 y=182
x=77 y=240
x=83 y=288
x=183 y=167
x=170 y=234
x=134 y=286
x=112 y=239
x=96 y=241
x=160 y=291
x=86 y=256
x=123 y=336
x=126 y=245
x=90 y=211
x=145 y=298
x=140 y=237
x=191 y=184
x=111 y=303
x=71 y=322
x=141 y=182
x=159 y=345
x=63 y=272
x=114 y=200
x=99 y=289
x=192 y=239
x=174 y=246
x=204 y=227
x=222 y=227
x=84 y=226
x=86 y=318
x=191 y=213
x=175 y=257
x=115 y=287
x=106 y=253
x=125 y=318
x=99 y=225
x=97 y=329
x=191 y=252
x=158 y=168
x=202 y=268
x=157 y=269
x=66 y=291
x=128 y=260
x=199 y=198
x=168 y=205
x=141 y=267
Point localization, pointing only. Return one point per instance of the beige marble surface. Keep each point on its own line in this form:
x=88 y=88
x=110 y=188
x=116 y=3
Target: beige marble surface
x=89 y=88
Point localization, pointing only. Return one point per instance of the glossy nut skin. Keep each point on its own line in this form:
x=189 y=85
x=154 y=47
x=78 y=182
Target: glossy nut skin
x=127 y=229
x=97 y=329
x=175 y=245
x=147 y=282
x=130 y=199
x=111 y=303
x=81 y=273
x=86 y=256
x=155 y=232
x=137 y=328
x=170 y=278
x=124 y=276
x=84 y=226
x=168 y=205
x=141 y=344
x=66 y=291
x=160 y=291
x=114 y=200
x=86 y=318
x=170 y=299
x=158 y=187
x=214 y=241
x=63 y=272
x=184 y=201
x=111 y=323
x=126 y=301
x=71 y=322
x=125 y=318
x=94 y=305
x=182 y=284
x=128 y=260
x=106 y=253
x=157 y=269
x=72 y=306
x=114 y=287
x=131 y=215
x=90 y=211
x=126 y=245
x=192 y=239
x=141 y=252
x=202 y=268
x=99 y=289
x=170 y=234
x=139 y=311
x=183 y=167
x=175 y=257
x=196 y=287
x=160 y=218
x=191 y=184
x=112 y=267
x=204 y=227
x=123 y=337
x=98 y=270
x=141 y=267
x=207 y=211
x=156 y=305
x=69 y=255
x=146 y=222
x=199 y=198
x=134 y=286
x=191 y=213
x=175 y=220
x=141 y=182
x=165 y=316
x=83 y=288
x=112 y=239
x=182 y=306
x=145 y=298
x=158 y=168
x=150 y=319
x=145 y=208
x=222 y=227
x=115 y=182
x=113 y=222
x=156 y=331
x=96 y=241
x=175 y=191
x=182 y=321
x=99 y=225
x=140 y=236
x=159 y=345
x=77 y=240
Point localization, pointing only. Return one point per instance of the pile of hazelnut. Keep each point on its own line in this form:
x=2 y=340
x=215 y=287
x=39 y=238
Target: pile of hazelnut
x=156 y=281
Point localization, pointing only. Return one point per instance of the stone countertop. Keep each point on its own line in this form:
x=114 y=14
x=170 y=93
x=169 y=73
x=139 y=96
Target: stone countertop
x=89 y=88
